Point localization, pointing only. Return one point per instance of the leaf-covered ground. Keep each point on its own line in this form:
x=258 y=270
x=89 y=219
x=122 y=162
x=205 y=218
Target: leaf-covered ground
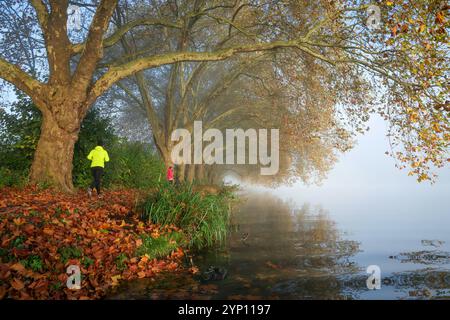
x=43 y=232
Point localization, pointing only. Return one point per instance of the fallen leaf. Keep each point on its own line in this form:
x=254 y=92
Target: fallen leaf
x=17 y=284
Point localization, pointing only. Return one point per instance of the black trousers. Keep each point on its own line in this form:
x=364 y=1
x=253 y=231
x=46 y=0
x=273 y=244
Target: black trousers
x=97 y=173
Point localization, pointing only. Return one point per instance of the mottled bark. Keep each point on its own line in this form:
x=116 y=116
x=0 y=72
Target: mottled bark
x=181 y=172
x=52 y=162
x=200 y=173
x=190 y=173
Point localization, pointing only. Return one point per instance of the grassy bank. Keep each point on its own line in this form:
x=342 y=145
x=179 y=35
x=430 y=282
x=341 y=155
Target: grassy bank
x=203 y=217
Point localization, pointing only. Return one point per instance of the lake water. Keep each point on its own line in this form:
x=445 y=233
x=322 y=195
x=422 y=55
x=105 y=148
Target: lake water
x=290 y=249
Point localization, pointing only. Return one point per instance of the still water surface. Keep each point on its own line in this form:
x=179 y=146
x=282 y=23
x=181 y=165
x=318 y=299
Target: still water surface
x=286 y=247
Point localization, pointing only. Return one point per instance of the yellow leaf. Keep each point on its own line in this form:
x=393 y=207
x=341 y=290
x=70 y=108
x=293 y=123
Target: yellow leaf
x=19 y=221
x=115 y=279
x=422 y=28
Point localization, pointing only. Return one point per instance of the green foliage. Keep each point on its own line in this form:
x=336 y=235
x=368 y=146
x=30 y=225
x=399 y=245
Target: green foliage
x=87 y=262
x=121 y=260
x=33 y=262
x=204 y=219
x=10 y=177
x=19 y=134
x=93 y=128
x=18 y=242
x=68 y=253
x=56 y=286
x=132 y=165
x=159 y=247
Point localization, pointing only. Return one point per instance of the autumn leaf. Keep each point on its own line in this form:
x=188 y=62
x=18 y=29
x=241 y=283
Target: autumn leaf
x=17 y=284
x=2 y=292
x=272 y=265
x=28 y=228
x=48 y=231
x=115 y=280
x=19 y=221
x=194 y=270
x=422 y=28
x=440 y=18
x=18 y=267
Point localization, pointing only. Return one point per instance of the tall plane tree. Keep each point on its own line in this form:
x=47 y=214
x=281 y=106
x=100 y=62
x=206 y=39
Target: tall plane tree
x=407 y=54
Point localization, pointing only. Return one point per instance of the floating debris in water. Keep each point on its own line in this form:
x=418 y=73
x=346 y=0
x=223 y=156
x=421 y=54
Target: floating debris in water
x=214 y=273
x=433 y=243
x=423 y=257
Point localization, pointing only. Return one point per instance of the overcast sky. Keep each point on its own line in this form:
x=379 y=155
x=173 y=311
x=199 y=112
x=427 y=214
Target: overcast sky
x=365 y=171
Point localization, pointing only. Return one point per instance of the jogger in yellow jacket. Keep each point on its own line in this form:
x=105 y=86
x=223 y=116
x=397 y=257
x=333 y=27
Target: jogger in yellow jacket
x=98 y=157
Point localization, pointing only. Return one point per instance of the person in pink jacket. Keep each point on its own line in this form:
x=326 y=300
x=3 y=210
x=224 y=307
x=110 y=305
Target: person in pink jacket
x=170 y=174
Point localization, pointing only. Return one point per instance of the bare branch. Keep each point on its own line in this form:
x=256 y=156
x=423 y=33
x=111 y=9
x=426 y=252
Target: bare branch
x=119 y=33
x=116 y=73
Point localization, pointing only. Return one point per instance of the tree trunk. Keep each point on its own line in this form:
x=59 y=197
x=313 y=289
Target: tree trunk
x=200 y=173
x=53 y=157
x=190 y=173
x=181 y=168
x=212 y=175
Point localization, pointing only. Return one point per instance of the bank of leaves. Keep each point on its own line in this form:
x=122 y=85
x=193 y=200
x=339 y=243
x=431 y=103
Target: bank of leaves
x=43 y=232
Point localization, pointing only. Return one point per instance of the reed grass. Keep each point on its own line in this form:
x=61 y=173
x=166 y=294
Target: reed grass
x=204 y=219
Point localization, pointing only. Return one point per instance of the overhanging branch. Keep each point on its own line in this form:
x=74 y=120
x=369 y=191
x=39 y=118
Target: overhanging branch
x=119 y=33
x=22 y=80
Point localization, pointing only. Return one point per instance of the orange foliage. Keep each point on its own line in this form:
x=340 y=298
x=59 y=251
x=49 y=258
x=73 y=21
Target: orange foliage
x=103 y=230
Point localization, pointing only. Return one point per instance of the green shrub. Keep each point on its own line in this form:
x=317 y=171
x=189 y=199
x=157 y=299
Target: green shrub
x=133 y=165
x=10 y=177
x=159 y=247
x=204 y=219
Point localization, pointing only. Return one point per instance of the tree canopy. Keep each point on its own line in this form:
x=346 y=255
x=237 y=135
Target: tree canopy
x=327 y=63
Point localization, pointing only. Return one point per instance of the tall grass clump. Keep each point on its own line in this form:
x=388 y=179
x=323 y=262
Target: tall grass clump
x=203 y=218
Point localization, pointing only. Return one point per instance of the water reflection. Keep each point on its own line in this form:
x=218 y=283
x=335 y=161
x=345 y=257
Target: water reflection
x=277 y=250
x=274 y=251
